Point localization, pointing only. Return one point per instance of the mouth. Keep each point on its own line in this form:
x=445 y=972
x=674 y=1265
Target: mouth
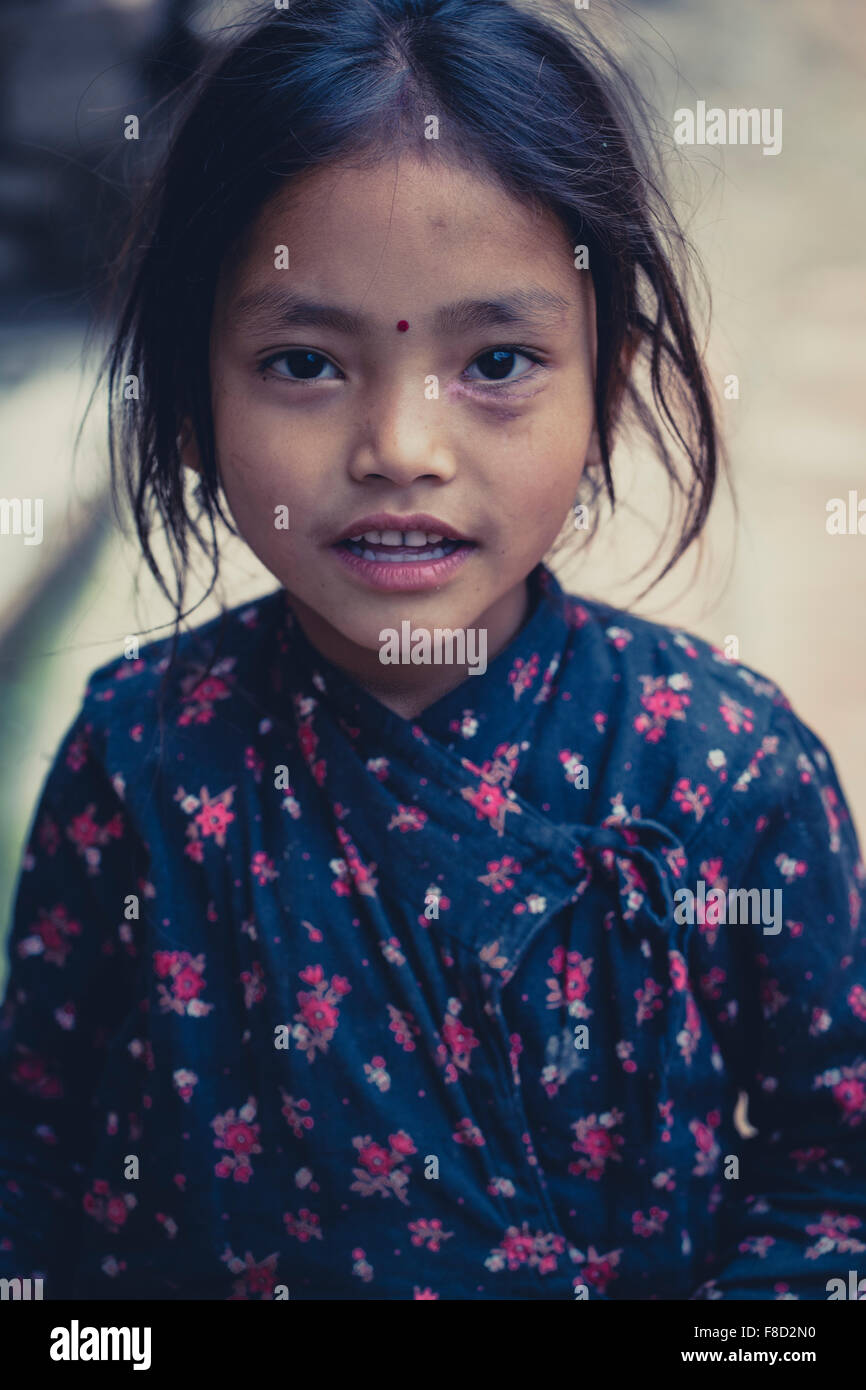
x=418 y=555
x=402 y=547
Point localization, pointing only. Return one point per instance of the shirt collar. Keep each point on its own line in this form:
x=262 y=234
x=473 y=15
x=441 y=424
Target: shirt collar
x=494 y=699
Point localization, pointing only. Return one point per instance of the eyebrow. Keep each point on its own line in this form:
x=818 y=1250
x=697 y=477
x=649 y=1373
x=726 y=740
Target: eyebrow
x=533 y=307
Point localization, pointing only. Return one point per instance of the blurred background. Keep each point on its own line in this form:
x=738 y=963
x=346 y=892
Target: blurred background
x=781 y=241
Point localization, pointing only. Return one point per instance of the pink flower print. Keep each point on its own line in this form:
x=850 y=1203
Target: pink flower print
x=619 y=637
x=256 y=1279
x=857 y=1001
x=375 y=1159
x=599 y=1270
x=520 y=1247
x=679 y=973
x=695 y=801
x=90 y=838
x=403 y=1026
x=382 y=1170
x=392 y=951
x=262 y=868
x=830 y=802
x=211 y=817
x=238 y=1136
x=318 y=1015
x=820 y=1022
x=401 y=1143
x=663 y=699
x=50 y=936
x=429 y=1233
x=689 y=1035
x=353 y=868
x=648 y=1001
x=307 y=740
x=466 y=727
x=341 y=885
x=106 y=1207
x=790 y=868
x=596 y=1144
x=850 y=1096
x=459 y=1040
x=835 y=1236
x=756 y=1245
x=705 y=1140
x=488 y=799
x=200 y=691
x=664 y=1180
x=361 y=1266
x=572 y=765
x=574 y=988
x=468 y=1133
x=522 y=674
x=649 y=1225
x=294 y=1112
x=76 y=754
x=214 y=818
x=377 y=1075
x=305 y=1226
x=423 y=1295
x=501 y=873
x=186 y=974
x=736 y=716
x=184 y=1082
x=34 y=1076
x=685 y=643
x=408 y=818
x=253 y=982
x=492 y=956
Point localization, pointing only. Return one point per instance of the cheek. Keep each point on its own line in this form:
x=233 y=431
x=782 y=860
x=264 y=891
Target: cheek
x=256 y=462
x=541 y=474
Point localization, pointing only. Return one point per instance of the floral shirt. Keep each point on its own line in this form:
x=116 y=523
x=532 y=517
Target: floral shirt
x=556 y=991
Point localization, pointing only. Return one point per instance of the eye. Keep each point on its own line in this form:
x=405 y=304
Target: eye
x=499 y=363
x=303 y=365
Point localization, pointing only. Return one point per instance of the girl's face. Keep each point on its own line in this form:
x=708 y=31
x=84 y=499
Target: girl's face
x=333 y=418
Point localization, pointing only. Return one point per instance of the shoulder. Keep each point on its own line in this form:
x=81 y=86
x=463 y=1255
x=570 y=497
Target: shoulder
x=184 y=683
x=712 y=745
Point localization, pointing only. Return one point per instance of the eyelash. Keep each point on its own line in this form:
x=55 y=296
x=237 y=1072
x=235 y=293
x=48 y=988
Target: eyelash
x=489 y=387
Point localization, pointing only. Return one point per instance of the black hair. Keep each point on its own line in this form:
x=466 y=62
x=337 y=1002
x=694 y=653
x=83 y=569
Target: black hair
x=525 y=94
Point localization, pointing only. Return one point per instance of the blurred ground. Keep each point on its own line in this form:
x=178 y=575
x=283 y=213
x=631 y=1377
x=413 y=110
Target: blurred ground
x=781 y=240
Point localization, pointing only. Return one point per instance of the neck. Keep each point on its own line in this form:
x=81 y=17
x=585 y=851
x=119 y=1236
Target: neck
x=409 y=689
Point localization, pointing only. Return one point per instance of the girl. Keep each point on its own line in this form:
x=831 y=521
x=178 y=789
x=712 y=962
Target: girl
x=335 y=977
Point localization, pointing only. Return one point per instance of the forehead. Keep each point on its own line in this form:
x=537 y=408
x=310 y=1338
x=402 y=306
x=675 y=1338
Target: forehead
x=398 y=223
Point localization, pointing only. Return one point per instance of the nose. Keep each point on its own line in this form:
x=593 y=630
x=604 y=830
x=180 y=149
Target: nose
x=403 y=439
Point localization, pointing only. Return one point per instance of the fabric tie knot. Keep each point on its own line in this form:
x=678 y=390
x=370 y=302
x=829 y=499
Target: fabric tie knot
x=643 y=856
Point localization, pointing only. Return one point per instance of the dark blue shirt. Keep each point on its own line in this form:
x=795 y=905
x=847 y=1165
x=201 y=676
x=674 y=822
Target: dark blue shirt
x=555 y=991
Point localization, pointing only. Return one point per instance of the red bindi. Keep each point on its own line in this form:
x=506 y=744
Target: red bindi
x=402 y=326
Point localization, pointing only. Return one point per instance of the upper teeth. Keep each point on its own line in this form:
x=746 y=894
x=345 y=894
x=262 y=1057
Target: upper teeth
x=398 y=537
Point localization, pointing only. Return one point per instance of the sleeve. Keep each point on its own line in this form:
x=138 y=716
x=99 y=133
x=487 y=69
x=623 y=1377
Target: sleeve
x=795 y=1038
x=72 y=970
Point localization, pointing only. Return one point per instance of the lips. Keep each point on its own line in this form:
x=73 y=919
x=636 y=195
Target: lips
x=409 y=552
